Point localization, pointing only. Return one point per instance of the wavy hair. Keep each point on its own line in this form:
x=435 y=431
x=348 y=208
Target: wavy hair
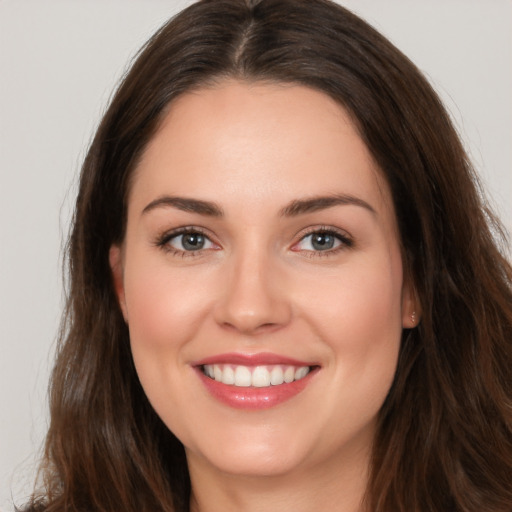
x=444 y=438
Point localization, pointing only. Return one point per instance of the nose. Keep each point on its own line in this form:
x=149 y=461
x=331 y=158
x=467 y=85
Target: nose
x=254 y=296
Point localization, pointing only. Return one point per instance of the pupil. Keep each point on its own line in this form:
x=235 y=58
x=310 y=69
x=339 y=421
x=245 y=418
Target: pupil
x=193 y=241
x=322 y=241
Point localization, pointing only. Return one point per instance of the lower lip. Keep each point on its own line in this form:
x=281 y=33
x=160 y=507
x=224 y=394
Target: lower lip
x=251 y=397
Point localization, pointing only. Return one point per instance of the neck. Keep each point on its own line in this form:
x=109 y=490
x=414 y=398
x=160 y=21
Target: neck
x=333 y=486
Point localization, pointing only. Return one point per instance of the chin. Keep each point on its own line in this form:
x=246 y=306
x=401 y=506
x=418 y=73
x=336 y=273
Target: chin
x=250 y=454
x=251 y=464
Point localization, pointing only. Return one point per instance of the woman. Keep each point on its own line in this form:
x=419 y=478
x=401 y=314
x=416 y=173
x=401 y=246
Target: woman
x=284 y=290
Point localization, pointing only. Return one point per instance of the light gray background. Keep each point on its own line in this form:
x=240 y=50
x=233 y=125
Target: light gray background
x=59 y=61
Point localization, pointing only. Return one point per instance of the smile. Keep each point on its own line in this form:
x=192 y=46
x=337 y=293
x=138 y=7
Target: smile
x=254 y=381
x=255 y=376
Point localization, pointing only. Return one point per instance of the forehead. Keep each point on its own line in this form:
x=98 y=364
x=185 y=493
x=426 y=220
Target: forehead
x=254 y=142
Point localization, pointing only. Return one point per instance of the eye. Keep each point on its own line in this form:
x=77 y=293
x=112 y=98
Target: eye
x=190 y=241
x=322 y=241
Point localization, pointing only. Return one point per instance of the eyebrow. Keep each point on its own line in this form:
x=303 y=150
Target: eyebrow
x=313 y=204
x=187 y=205
x=295 y=208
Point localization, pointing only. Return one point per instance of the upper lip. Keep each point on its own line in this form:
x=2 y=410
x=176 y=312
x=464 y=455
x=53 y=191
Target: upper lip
x=258 y=359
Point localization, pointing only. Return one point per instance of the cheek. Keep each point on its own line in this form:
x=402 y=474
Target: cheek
x=164 y=306
x=358 y=298
x=358 y=316
x=357 y=313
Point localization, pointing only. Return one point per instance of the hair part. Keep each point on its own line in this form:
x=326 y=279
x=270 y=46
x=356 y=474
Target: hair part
x=444 y=437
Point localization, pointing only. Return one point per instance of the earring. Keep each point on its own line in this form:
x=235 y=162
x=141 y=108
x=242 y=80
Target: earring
x=413 y=318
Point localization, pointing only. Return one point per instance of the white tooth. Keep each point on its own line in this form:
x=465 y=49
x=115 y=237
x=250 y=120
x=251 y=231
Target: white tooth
x=260 y=377
x=276 y=376
x=242 y=376
x=301 y=372
x=217 y=373
x=289 y=374
x=208 y=369
x=228 y=375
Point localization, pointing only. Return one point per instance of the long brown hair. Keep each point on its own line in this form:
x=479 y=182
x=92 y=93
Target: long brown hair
x=444 y=439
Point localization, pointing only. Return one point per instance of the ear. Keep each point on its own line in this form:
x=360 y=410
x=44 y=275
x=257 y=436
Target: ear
x=115 y=257
x=411 y=307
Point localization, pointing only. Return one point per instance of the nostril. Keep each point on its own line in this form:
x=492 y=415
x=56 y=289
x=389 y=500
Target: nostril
x=249 y=327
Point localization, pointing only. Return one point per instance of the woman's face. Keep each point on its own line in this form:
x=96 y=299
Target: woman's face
x=262 y=281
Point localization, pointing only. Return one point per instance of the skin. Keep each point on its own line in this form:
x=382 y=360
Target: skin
x=258 y=285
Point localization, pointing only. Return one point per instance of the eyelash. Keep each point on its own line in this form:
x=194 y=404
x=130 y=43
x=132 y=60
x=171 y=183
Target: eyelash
x=346 y=242
x=163 y=241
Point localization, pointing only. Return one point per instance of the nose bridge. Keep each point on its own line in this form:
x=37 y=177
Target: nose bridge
x=252 y=299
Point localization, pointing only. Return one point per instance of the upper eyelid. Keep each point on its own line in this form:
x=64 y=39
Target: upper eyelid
x=165 y=237
x=323 y=229
x=174 y=232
